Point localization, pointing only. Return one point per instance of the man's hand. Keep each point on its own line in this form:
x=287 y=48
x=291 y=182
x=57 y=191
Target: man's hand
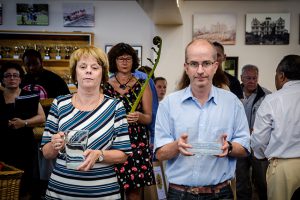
x=183 y=145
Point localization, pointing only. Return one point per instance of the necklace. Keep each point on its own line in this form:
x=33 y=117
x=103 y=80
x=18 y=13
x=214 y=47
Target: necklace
x=123 y=86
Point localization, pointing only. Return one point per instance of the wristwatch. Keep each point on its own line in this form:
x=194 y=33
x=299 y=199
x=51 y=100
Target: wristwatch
x=101 y=157
x=229 y=148
x=26 y=124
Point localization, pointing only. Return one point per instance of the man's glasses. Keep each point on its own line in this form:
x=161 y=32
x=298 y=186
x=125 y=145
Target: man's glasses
x=14 y=75
x=205 y=64
x=122 y=59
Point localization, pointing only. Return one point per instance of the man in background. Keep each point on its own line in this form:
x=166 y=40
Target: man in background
x=253 y=96
x=276 y=132
x=234 y=84
x=161 y=87
x=48 y=85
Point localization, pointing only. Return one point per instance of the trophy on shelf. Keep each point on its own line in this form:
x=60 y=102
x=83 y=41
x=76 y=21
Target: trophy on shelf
x=47 y=53
x=16 y=52
x=7 y=52
x=67 y=50
x=58 y=56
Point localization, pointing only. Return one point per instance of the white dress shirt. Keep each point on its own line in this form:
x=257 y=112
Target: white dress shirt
x=276 y=131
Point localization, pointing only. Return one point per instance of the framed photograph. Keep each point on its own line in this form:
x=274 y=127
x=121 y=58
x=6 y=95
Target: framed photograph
x=138 y=50
x=267 y=28
x=231 y=65
x=78 y=15
x=107 y=48
x=32 y=14
x=215 y=27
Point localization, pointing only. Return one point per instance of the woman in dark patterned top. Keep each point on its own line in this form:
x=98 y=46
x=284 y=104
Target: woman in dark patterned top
x=137 y=171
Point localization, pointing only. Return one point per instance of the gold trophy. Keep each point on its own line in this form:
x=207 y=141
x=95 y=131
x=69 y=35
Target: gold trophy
x=58 y=56
x=47 y=53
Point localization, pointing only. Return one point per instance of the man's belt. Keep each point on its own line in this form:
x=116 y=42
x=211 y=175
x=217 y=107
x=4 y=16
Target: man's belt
x=200 y=190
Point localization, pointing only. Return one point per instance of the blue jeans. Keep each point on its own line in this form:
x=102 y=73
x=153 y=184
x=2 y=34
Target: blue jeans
x=224 y=194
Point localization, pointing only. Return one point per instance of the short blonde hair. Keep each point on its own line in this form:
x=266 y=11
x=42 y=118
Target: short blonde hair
x=90 y=51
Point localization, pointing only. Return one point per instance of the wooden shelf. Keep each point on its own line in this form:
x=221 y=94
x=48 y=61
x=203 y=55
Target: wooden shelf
x=15 y=42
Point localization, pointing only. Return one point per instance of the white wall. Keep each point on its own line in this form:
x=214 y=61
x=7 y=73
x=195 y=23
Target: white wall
x=125 y=21
x=266 y=57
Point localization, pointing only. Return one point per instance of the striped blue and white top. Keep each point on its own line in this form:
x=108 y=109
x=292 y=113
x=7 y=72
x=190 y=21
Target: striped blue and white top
x=108 y=129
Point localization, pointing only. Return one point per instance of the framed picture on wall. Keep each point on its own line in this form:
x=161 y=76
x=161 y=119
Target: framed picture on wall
x=107 y=48
x=32 y=14
x=215 y=27
x=137 y=48
x=267 y=28
x=0 y=13
x=79 y=15
x=231 y=65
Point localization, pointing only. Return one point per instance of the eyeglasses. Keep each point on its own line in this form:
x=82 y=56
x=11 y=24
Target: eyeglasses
x=122 y=59
x=205 y=64
x=15 y=75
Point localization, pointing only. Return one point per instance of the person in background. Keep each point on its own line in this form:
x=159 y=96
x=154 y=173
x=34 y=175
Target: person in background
x=161 y=87
x=104 y=118
x=276 y=131
x=48 y=85
x=208 y=176
x=18 y=147
x=234 y=84
x=137 y=171
x=253 y=96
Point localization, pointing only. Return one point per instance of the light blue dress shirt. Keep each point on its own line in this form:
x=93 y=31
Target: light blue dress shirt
x=223 y=112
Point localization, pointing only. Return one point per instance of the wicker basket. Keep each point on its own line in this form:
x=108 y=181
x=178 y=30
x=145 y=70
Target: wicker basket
x=10 y=178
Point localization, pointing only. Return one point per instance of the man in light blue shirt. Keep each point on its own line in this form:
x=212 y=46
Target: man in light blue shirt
x=210 y=111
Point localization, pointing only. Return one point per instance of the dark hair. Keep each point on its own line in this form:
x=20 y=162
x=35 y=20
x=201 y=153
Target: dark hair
x=11 y=65
x=217 y=44
x=184 y=81
x=220 y=78
x=119 y=50
x=290 y=66
x=159 y=79
x=32 y=52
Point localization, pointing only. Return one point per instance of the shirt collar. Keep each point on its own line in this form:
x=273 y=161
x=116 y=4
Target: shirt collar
x=187 y=94
x=290 y=83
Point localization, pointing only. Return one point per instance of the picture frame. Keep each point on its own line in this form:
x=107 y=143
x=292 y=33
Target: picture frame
x=32 y=14
x=267 y=29
x=0 y=13
x=215 y=27
x=137 y=48
x=78 y=15
x=230 y=65
x=107 y=48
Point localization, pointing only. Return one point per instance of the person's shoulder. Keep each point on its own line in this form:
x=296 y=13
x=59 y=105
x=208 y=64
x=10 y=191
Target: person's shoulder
x=52 y=74
x=62 y=98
